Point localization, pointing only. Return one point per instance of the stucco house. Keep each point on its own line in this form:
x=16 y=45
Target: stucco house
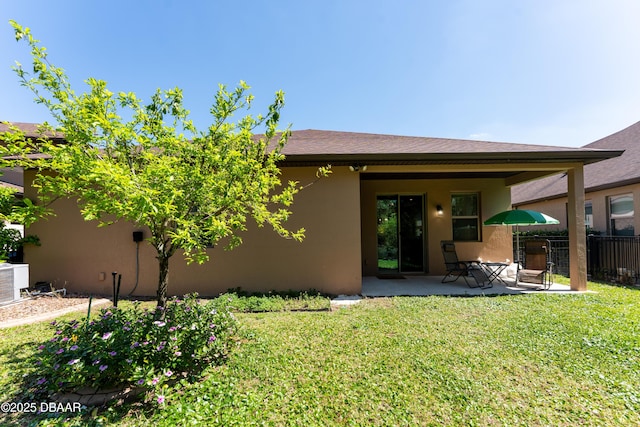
x=385 y=208
x=612 y=189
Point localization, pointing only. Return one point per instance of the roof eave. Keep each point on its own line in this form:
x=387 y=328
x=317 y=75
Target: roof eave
x=586 y=157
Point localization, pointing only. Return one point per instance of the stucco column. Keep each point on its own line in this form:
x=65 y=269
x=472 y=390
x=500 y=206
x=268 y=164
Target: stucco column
x=577 y=235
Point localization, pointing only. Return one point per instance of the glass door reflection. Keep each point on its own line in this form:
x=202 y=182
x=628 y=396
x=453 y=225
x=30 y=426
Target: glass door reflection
x=400 y=233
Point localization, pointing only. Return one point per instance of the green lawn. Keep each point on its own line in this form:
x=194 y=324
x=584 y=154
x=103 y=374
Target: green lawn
x=538 y=359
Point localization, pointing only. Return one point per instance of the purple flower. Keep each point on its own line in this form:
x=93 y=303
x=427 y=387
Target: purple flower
x=56 y=366
x=41 y=347
x=54 y=339
x=160 y=347
x=107 y=335
x=160 y=399
x=155 y=381
x=73 y=348
x=212 y=338
x=112 y=353
x=173 y=328
x=60 y=351
x=129 y=361
x=95 y=362
x=213 y=325
x=135 y=344
x=53 y=323
x=177 y=353
x=159 y=323
x=42 y=381
x=103 y=367
x=65 y=339
x=168 y=373
x=73 y=361
x=140 y=382
x=58 y=332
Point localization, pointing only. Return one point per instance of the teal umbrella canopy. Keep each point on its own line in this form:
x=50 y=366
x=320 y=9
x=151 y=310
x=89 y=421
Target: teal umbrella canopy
x=521 y=217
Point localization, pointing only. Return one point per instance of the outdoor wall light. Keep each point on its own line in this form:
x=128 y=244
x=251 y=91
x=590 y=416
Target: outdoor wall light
x=439 y=210
x=357 y=168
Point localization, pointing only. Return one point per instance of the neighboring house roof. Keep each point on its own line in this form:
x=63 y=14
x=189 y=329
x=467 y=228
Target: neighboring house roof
x=19 y=190
x=31 y=130
x=318 y=146
x=13 y=177
x=610 y=173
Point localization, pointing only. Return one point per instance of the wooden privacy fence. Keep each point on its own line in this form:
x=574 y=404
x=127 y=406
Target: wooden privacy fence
x=610 y=258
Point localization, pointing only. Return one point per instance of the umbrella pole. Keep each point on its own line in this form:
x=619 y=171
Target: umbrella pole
x=517 y=253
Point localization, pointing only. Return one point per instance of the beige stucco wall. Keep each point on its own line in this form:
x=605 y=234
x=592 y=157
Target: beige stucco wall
x=496 y=242
x=599 y=200
x=74 y=252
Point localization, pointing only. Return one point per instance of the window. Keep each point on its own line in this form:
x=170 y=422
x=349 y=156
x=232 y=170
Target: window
x=621 y=215
x=588 y=214
x=465 y=216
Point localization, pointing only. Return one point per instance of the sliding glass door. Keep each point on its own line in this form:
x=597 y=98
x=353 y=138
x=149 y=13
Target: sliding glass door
x=400 y=233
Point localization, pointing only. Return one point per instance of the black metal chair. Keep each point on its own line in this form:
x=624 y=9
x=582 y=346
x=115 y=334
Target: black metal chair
x=456 y=268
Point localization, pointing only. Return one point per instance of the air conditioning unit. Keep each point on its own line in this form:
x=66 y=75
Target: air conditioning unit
x=13 y=277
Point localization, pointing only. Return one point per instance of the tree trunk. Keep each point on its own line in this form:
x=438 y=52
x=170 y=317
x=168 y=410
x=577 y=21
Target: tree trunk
x=163 y=279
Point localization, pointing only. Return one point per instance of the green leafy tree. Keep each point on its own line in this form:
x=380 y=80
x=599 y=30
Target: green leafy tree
x=190 y=188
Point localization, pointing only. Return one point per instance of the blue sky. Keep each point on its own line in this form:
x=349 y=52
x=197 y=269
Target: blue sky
x=556 y=72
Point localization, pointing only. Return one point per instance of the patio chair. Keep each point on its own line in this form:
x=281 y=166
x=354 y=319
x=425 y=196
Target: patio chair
x=538 y=268
x=456 y=268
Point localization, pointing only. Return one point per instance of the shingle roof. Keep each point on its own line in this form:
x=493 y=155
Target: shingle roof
x=31 y=130
x=17 y=188
x=312 y=147
x=613 y=172
x=334 y=142
x=309 y=145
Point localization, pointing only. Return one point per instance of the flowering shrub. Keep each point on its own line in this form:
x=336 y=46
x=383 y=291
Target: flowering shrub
x=137 y=347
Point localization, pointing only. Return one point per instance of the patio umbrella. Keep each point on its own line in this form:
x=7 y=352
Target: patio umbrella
x=520 y=217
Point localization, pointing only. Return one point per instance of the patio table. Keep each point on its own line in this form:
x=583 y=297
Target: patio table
x=493 y=270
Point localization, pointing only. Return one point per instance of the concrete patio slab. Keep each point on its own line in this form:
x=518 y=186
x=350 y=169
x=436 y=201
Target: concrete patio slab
x=432 y=285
